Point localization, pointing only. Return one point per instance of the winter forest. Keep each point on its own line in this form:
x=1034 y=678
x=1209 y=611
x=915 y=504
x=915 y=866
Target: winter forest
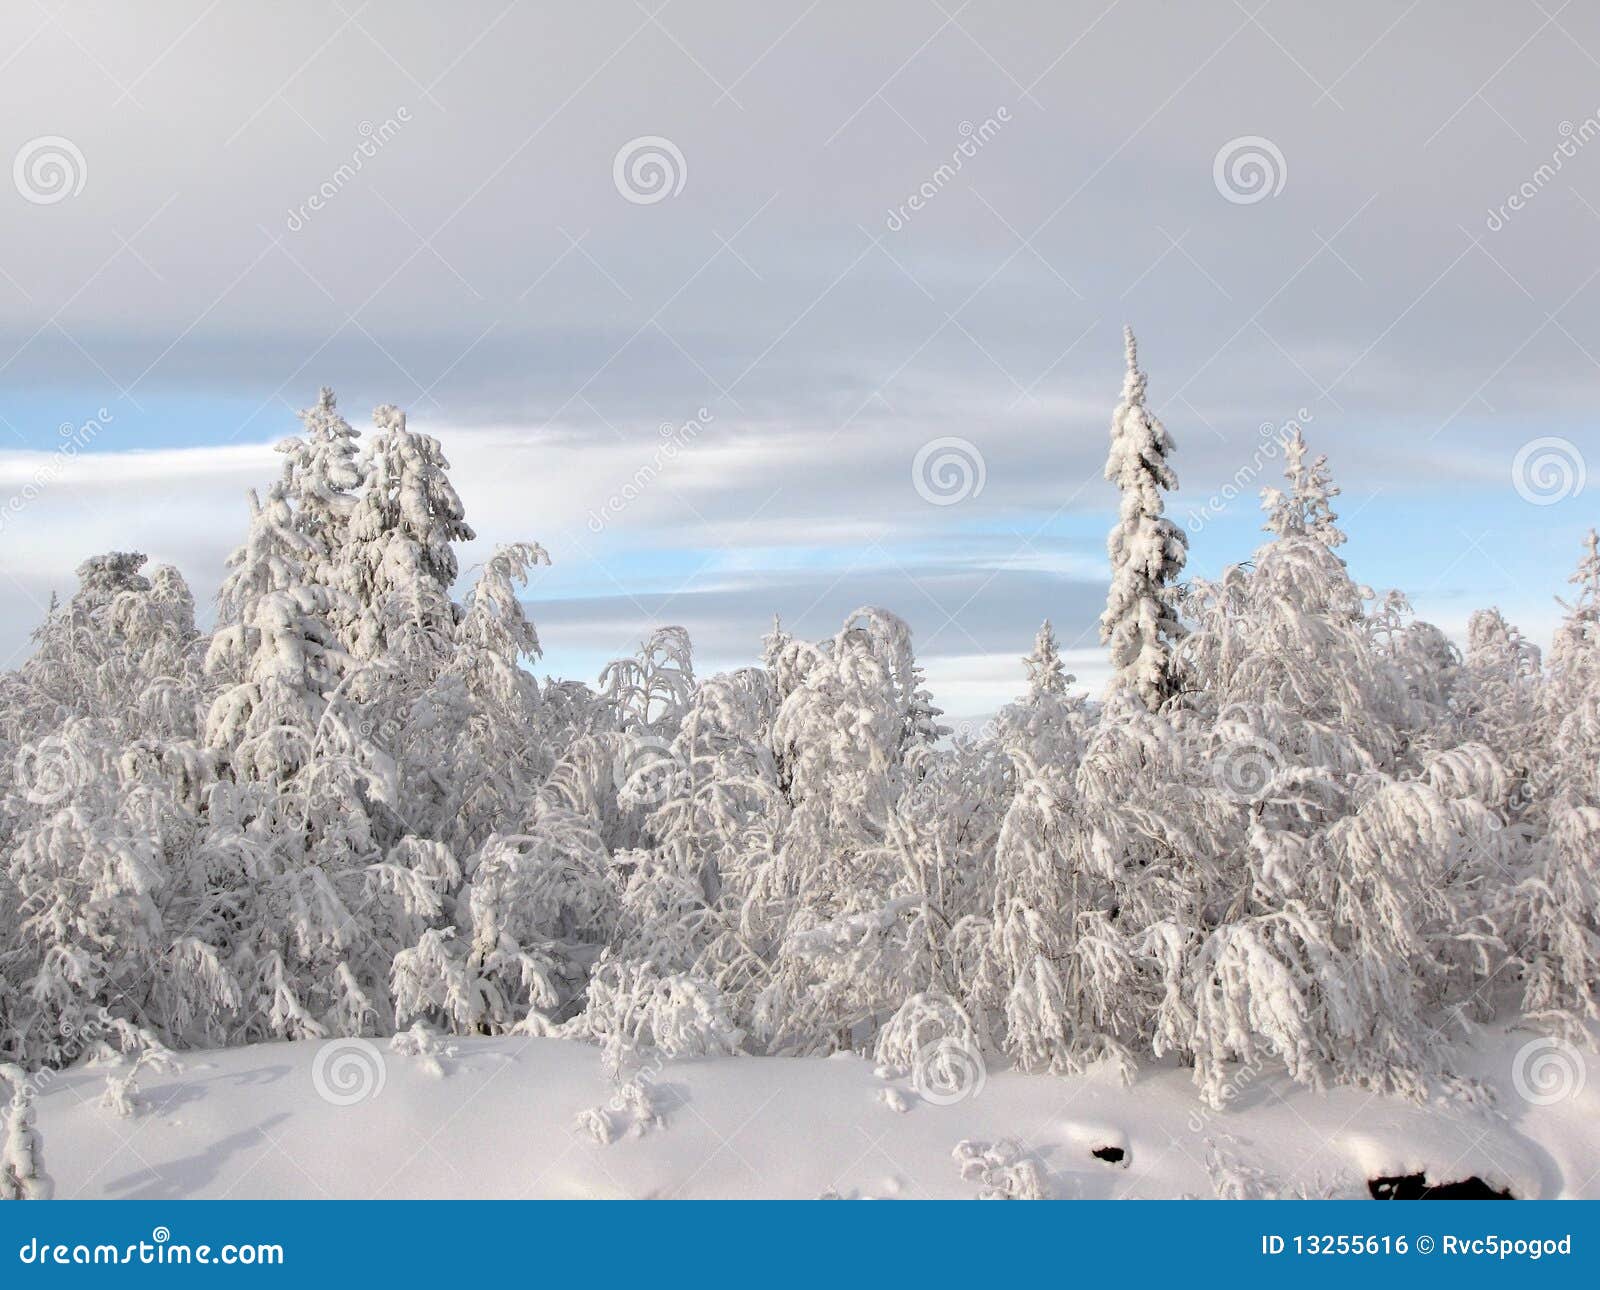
x=1301 y=830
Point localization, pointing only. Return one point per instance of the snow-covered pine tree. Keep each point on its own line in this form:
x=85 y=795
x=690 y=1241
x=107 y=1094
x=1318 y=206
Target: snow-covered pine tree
x=274 y=646
x=1046 y=673
x=540 y=907
x=401 y=556
x=1147 y=549
x=98 y=834
x=1283 y=655
x=1306 y=508
x=773 y=643
x=1553 y=918
x=1049 y=725
x=102 y=578
x=842 y=730
x=321 y=472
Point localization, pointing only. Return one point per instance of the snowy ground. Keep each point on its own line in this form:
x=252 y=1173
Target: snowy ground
x=500 y=1118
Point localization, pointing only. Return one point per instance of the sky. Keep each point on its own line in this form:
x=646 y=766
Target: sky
x=747 y=309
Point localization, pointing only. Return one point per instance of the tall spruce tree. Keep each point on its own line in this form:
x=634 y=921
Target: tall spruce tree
x=1147 y=549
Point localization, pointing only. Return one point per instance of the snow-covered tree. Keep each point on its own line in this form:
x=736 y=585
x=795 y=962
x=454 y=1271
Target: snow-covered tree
x=89 y=874
x=1305 y=508
x=22 y=1171
x=1575 y=656
x=321 y=473
x=1554 y=917
x=1147 y=550
x=541 y=906
x=1554 y=914
x=275 y=645
x=1498 y=701
x=1063 y=962
x=650 y=690
x=401 y=557
x=292 y=833
x=1046 y=673
x=473 y=752
x=123 y=648
x=1048 y=726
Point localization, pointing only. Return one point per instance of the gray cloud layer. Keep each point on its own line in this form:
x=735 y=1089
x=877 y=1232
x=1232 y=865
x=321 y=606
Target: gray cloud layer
x=468 y=253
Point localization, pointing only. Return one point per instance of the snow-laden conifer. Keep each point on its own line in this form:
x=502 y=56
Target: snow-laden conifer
x=1147 y=549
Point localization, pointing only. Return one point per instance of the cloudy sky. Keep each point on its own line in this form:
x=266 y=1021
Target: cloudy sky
x=766 y=255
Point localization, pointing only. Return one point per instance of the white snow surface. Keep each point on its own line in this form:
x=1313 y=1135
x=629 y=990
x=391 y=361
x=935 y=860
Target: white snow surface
x=501 y=1118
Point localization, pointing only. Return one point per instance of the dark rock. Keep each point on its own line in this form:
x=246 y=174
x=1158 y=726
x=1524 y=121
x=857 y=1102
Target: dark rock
x=1417 y=1187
